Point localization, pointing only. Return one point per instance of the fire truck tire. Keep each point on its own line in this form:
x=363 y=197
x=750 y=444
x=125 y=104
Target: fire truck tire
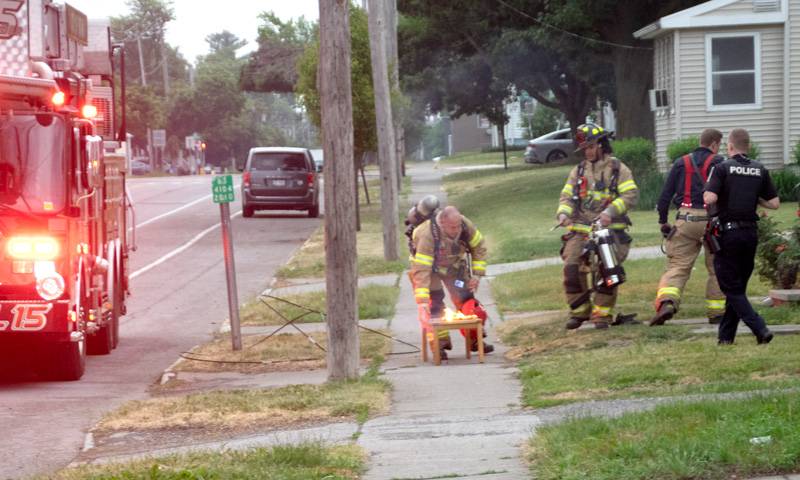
x=247 y=211
x=68 y=361
x=116 y=313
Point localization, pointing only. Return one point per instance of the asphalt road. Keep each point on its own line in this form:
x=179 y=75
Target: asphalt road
x=178 y=300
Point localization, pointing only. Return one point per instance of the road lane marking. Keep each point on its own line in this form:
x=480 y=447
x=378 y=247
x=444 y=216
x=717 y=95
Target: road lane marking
x=172 y=212
x=180 y=249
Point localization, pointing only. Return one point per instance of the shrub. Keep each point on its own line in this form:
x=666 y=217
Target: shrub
x=778 y=253
x=755 y=151
x=681 y=147
x=786 y=182
x=637 y=153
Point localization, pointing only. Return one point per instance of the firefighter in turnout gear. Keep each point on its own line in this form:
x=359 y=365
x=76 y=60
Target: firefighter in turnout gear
x=684 y=239
x=442 y=247
x=600 y=188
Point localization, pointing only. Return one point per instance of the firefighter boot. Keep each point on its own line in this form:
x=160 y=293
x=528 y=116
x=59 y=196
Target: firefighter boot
x=445 y=344
x=487 y=347
x=665 y=311
x=574 y=322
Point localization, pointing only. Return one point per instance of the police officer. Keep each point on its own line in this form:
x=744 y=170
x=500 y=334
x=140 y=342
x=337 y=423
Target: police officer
x=736 y=188
x=684 y=189
x=602 y=188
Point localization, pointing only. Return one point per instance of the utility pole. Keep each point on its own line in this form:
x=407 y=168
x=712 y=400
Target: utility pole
x=394 y=65
x=165 y=66
x=387 y=151
x=336 y=105
x=141 y=61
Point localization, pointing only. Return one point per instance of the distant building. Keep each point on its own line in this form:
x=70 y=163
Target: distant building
x=469 y=133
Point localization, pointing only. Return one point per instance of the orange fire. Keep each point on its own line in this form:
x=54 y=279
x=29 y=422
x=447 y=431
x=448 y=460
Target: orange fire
x=451 y=316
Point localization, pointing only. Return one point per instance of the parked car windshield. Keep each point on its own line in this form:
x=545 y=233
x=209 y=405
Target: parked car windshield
x=33 y=163
x=281 y=161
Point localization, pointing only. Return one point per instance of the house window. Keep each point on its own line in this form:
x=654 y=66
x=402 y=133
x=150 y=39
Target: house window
x=733 y=71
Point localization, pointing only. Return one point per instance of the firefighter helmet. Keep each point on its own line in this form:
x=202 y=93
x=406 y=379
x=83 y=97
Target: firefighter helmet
x=588 y=134
x=427 y=205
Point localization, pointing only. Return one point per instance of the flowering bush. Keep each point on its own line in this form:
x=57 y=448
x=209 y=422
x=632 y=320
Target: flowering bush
x=778 y=254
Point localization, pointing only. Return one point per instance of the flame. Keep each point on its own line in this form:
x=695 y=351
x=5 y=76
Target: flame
x=451 y=316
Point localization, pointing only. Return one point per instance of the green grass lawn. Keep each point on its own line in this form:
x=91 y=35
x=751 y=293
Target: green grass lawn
x=708 y=440
x=640 y=361
x=374 y=301
x=479 y=158
x=288 y=462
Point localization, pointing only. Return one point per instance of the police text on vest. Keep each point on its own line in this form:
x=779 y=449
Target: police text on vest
x=749 y=171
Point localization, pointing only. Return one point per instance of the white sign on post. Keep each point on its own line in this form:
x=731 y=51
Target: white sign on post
x=159 y=138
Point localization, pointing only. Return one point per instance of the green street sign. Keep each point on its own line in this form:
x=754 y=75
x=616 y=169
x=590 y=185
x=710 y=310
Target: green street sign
x=222 y=188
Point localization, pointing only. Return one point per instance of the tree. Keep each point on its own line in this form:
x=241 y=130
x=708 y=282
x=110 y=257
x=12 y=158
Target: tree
x=335 y=93
x=609 y=25
x=273 y=67
x=146 y=110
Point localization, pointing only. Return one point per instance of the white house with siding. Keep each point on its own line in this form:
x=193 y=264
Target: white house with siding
x=725 y=64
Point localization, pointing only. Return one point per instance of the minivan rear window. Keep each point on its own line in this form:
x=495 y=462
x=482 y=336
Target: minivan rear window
x=272 y=161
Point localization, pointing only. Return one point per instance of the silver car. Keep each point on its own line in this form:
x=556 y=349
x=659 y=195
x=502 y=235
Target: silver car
x=548 y=148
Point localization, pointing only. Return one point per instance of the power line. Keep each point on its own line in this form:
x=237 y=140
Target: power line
x=571 y=34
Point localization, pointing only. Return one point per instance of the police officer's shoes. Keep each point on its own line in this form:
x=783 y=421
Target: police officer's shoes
x=574 y=323
x=665 y=311
x=764 y=338
x=487 y=347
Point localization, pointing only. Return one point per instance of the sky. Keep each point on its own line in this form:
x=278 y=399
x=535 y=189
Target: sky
x=195 y=19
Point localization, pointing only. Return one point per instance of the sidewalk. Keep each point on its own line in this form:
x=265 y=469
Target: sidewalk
x=457 y=420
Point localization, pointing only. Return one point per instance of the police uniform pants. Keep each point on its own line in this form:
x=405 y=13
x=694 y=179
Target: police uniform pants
x=734 y=265
x=682 y=251
x=458 y=295
x=576 y=280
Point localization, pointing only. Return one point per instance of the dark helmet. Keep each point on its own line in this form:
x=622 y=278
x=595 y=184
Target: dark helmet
x=422 y=210
x=589 y=133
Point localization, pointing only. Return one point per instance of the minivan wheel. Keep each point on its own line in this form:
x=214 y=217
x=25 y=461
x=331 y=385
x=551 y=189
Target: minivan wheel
x=247 y=211
x=313 y=212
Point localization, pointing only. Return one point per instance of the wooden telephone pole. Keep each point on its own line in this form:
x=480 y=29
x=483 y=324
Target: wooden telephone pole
x=340 y=200
x=387 y=152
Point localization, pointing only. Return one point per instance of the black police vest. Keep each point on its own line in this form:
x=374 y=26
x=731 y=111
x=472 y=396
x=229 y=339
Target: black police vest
x=743 y=182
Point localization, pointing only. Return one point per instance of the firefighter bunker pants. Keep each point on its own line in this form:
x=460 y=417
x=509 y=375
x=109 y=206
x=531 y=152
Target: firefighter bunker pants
x=458 y=295
x=682 y=251
x=576 y=273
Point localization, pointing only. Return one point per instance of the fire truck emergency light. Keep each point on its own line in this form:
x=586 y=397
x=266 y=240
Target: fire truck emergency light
x=58 y=99
x=33 y=248
x=89 y=111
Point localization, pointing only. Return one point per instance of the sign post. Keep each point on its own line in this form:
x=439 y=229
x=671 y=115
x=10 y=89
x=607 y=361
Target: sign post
x=222 y=191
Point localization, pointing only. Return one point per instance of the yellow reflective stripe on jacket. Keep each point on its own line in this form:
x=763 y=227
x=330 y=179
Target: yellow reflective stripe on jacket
x=598 y=194
x=423 y=259
x=715 y=304
x=422 y=293
x=578 y=227
x=618 y=226
x=565 y=209
x=479 y=265
x=619 y=204
x=626 y=186
x=476 y=239
x=673 y=292
x=568 y=189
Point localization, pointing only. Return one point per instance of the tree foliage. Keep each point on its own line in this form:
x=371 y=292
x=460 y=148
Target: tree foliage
x=361 y=77
x=273 y=67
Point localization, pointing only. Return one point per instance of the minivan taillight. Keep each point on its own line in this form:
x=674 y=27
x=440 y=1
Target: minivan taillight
x=246 y=179
x=310 y=179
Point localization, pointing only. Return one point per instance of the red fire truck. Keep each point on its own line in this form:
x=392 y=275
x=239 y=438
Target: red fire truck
x=64 y=208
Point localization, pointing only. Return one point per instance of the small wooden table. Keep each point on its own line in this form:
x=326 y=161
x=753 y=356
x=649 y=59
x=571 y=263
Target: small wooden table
x=472 y=323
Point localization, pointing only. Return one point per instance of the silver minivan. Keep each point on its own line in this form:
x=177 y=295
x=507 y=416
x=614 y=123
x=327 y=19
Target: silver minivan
x=280 y=178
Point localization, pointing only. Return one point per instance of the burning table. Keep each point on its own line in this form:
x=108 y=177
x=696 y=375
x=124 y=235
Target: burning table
x=453 y=321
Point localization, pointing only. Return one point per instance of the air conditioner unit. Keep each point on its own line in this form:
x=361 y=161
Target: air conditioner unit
x=658 y=99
